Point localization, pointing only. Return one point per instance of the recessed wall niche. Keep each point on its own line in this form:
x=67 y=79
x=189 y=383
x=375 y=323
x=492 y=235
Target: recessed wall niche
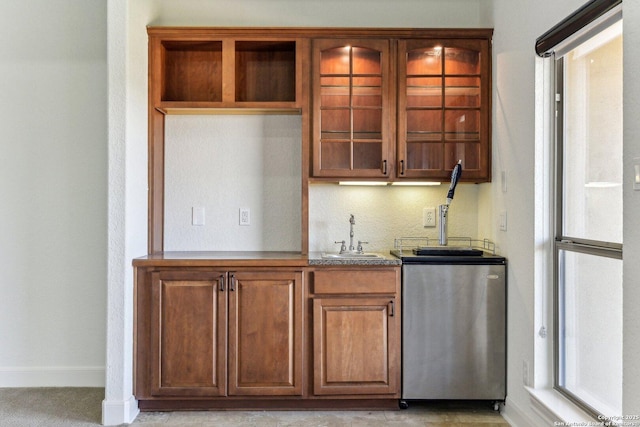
x=226 y=162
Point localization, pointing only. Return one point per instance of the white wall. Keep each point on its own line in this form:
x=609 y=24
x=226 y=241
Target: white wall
x=320 y=13
x=517 y=25
x=53 y=193
x=221 y=163
x=631 y=200
x=383 y=214
x=127 y=206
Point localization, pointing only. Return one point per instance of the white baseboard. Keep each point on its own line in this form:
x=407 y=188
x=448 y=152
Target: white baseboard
x=516 y=417
x=64 y=376
x=116 y=412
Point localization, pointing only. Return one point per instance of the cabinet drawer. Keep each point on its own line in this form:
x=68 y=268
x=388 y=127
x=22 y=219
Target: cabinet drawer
x=364 y=281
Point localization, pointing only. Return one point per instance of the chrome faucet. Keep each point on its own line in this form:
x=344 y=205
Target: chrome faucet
x=352 y=221
x=352 y=249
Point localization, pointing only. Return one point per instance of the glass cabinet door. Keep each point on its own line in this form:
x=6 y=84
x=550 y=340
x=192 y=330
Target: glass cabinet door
x=351 y=108
x=443 y=105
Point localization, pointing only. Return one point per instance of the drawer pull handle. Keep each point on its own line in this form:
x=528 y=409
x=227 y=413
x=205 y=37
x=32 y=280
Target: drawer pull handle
x=392 y=308
x=222 y=283
x=232 y=283
x=401 y=167
x=384 y=167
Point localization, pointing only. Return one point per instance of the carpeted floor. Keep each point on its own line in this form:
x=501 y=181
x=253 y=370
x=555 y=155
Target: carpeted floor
x=81 y=407
x=51 y=407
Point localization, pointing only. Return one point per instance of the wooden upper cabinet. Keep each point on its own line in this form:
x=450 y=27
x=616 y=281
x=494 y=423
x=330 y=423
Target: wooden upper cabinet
x=351 y=108
x=403 y=108
x=444 y=90
x=203 y=68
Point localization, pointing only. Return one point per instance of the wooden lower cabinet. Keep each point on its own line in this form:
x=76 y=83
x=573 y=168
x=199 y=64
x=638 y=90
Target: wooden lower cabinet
x=219 y=333
x=188 y=333
x=354 y=346
x=265 y=333
x=356 y=331
x=266 y=338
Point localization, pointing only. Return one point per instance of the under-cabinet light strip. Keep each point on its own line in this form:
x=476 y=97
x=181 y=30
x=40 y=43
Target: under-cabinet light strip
x=383 y=183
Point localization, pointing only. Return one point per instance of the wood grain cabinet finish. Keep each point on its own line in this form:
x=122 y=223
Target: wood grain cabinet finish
x=402 y=108
x=444 y=104
x=351 y=108
x=356 y=332
x=188 y=320
x=193 y=312
x=201 y=68
x=265 y=333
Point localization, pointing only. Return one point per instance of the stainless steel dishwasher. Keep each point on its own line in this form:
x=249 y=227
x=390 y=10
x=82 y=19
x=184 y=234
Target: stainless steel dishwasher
x=453 y=325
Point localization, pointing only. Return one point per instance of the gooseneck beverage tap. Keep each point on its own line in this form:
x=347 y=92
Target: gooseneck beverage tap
x=444 y=209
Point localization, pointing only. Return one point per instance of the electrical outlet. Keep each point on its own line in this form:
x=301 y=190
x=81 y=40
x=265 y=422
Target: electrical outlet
x=245 y=216
x=429 y=217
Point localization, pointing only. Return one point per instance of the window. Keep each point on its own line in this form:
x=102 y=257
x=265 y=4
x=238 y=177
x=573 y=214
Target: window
x=588 y=220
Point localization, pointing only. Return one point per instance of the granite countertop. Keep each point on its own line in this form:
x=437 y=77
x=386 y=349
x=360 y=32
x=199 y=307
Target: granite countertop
x=315 y=258
x=222 y=258
x=255 y=259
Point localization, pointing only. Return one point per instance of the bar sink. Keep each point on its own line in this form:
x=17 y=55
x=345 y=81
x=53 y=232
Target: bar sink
x=363 y=255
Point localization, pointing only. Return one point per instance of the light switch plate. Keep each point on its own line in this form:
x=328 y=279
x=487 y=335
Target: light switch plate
x=197 y=215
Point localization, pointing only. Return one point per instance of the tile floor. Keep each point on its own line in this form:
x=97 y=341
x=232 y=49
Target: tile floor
x=427 y=414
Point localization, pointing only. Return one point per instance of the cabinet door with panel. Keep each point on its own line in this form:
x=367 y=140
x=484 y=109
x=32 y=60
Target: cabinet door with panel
x=353 y=339
x=351 y=108
x=188 y=338
x=444 y=108
x=265 y=333
x=356 y=331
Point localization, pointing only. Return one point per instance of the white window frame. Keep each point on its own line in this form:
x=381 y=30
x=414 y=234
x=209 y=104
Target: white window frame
x=561 y=241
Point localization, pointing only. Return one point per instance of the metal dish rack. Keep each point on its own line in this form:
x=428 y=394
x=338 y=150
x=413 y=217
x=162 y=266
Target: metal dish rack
x=410 y=243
